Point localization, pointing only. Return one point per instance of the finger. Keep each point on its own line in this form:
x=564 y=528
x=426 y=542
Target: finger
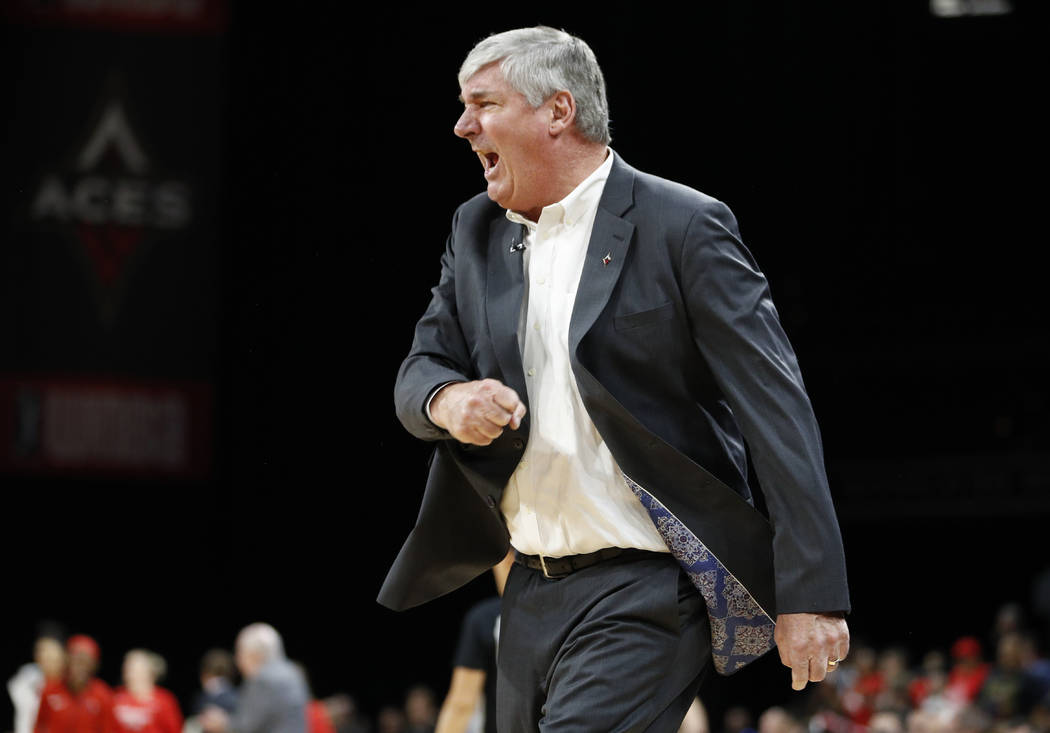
x=818 y=669
x=799 y=676
x=507 y=399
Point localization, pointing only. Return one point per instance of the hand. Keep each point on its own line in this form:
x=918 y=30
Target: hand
x=811 y=644
x=477 y=412
x=214 y=720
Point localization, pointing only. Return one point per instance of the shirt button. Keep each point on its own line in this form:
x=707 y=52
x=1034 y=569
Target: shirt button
x=542 y=281
x=535 y=327
x=519 y=444
x=532 y=372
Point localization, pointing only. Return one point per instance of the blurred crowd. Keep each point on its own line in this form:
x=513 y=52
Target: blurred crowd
x=998 y=682
x=994 y=683
x=253 y=689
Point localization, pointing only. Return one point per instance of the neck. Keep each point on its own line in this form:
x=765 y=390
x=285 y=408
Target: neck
x=570 y=165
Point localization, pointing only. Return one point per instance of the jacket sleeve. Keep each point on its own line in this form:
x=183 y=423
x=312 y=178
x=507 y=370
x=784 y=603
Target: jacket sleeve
x=737 y=330
x=439 y=352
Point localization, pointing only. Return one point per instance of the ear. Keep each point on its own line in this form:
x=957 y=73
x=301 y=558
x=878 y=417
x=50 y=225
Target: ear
x=563 y=112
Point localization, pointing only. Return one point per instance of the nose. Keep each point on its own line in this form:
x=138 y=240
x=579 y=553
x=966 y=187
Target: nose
x=466 y=125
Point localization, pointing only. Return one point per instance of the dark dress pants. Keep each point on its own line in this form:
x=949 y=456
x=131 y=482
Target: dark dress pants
x=618 y=646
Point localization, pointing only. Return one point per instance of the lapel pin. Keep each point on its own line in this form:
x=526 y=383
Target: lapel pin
x=517 y=246
x=607 y=258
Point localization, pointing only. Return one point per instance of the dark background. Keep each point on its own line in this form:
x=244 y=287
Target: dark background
x=882 y=162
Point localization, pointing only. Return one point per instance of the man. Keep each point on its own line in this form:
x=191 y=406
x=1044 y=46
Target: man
x=598 y=350
x=274 y=696
x=79 y=702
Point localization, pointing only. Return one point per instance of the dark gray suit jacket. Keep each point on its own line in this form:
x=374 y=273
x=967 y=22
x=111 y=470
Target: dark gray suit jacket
x=273 y=701
x=679 y=357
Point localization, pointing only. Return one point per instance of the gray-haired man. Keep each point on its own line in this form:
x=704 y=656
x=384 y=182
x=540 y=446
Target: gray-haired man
x=597 y=352
x=274 y=696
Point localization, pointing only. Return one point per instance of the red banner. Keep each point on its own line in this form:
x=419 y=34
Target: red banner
x=140 y=429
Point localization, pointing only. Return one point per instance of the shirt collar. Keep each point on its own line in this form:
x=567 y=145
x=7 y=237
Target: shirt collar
x=581 y=200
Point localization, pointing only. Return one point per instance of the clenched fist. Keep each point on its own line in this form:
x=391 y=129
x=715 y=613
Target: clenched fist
x=477 y=412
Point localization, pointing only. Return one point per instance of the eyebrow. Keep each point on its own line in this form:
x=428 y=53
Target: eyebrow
x=475 y=95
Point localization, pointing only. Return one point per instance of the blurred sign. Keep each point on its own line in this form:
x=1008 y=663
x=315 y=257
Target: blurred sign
x=82 y=426
x=110 y=235
x=196 y=16
x=959 y=8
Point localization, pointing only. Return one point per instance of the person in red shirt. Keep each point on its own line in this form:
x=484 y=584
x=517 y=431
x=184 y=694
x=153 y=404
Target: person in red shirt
x=79 y=702
x=140 y=706
x=968 y=670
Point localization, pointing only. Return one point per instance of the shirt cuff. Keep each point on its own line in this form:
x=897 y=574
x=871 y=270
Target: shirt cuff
x=433 y=393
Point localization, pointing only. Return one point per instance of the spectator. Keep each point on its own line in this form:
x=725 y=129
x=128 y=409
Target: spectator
x=217 y=673
x=886 y=722
x=738 y=720
x=934 y=672
x=49 y=661
x=317 y=718
x=859 y=700
x=342 y=711
x=1037 y=672
x=778 y=720
x=79 y=702
x=420 y=710
x=273 y=698
x=390 y=720
x=140 y=706
x=968 y=669
x=471 y=700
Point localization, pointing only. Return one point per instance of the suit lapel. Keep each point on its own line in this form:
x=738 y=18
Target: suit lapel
x=606 y=252
x=503 y=300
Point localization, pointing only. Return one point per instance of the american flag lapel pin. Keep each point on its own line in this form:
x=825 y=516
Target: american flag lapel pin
x=607 y=258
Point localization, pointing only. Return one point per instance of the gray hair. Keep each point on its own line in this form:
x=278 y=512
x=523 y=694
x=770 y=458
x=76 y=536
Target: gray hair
x=262 y=639
x=540 y=61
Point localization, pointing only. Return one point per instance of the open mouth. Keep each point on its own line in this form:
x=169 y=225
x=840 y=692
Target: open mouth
x=490 y=161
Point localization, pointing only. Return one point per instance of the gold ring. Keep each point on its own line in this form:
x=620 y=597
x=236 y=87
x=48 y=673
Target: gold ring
x=833 y=662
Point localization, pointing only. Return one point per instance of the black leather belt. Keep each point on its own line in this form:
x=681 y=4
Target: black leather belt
x=555 y=568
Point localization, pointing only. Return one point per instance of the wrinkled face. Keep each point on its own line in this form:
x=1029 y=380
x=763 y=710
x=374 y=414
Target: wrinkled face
x=509 y=138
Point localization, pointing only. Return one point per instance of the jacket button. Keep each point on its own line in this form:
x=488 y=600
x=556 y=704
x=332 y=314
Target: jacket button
x=518 y=444
x=491 y=502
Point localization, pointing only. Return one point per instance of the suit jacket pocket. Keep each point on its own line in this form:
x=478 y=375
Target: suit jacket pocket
x=664 y=312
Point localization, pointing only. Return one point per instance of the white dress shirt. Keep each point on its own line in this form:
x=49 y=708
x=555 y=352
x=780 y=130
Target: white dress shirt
x=567 y=495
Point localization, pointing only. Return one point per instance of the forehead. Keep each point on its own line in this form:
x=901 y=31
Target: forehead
x=487 y=82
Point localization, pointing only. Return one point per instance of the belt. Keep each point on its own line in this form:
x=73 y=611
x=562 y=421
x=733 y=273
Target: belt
x=555 y=568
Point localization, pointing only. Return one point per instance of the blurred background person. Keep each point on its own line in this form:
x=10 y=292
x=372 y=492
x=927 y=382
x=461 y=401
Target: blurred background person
x=78 y=702
x=420 y=710
x=738 y=719
x=273 y=698
x=49 y=662
x=968 y=670
x=778 y=720
x=317 y=718
x=141 y=706
x=343 y=712
x=217 y=673
x=390 y=719
x=470 y=704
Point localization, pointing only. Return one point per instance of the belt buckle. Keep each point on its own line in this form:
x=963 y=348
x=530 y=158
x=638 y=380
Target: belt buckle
x=543 y=565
